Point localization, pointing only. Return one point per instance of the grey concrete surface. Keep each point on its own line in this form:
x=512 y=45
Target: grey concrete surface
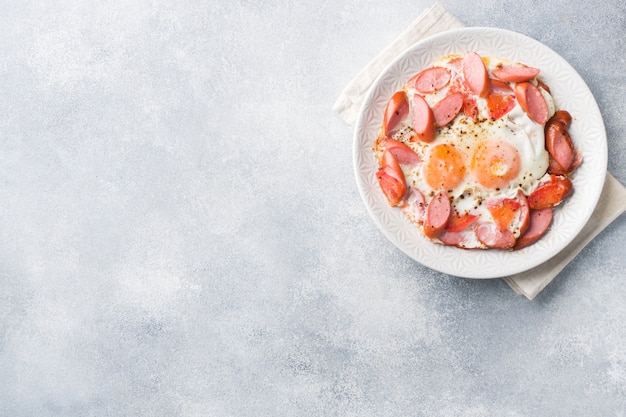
x=182 y=233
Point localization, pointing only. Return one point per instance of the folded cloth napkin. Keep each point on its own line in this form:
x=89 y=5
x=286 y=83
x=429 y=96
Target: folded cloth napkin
x=437 y=19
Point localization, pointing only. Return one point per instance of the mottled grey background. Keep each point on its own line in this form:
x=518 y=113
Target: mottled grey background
x=182 y=234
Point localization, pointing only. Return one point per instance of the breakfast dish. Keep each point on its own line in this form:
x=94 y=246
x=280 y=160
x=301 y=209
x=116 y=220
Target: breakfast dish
x=474 y=151
x=567 y=90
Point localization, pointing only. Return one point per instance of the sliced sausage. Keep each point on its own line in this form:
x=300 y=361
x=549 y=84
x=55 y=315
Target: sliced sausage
x=452 y=238
x=437 y=215
x=532 y=101
x=397 y=109
x=475 y=74
x=500 y=87
x=555 y=169
x=447 y=108
x=430 y=80
x=559 y=143
x=515 y=73
x=551 y=193
x=563 y=116
x=539 y=222
x=391 y=179
x=391 y=186
x=423 y=119
x=403 y=152
x=391 y=164
x=491 y=236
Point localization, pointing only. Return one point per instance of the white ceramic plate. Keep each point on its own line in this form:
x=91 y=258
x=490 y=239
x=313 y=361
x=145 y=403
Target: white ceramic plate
x=570 y=93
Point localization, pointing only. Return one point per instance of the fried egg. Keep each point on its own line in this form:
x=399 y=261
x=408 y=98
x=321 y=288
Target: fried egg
x=474 y=158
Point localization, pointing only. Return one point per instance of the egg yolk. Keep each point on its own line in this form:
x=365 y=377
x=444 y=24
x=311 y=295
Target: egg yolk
x=445 y=167
x=495 y=163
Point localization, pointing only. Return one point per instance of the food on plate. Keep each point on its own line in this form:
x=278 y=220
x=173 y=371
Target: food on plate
x=475 y=152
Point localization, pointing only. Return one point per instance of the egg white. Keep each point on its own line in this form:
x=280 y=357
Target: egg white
x=515 y=128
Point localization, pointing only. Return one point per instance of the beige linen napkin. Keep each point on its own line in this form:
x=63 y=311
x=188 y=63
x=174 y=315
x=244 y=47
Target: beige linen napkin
x=612 y=200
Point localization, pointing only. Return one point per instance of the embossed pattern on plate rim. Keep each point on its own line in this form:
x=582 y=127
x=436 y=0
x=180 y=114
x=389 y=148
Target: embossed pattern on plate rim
x=570 y=92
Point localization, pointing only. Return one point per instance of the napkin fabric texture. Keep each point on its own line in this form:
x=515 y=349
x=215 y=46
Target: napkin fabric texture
x=437 y=19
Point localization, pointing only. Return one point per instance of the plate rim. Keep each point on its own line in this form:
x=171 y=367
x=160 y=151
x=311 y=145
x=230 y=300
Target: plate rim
x=537 y=258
